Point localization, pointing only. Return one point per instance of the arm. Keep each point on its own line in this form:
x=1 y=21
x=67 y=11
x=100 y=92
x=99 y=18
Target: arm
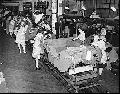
x=76 y=37
x=25 y=29
x=15 y=31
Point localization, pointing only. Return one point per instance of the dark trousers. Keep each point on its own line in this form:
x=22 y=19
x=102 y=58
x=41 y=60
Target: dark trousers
x=57 y=33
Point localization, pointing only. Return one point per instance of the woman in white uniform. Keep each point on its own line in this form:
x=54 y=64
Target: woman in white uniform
x=7 y=24
x=81 y=36
x=101 y=44
x=20 y=36
x=38 y=48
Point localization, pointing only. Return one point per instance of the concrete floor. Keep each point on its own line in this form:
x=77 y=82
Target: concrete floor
x=110 y=81
x=19 y=71
x=21 y=76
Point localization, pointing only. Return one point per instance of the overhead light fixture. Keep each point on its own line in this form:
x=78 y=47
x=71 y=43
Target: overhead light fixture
x=113 y=8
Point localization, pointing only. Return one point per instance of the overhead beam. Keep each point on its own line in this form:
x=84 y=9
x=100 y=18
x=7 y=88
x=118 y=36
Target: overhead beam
x=11 y=4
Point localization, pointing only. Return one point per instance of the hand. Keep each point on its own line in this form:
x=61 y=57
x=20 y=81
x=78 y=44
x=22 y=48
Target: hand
x=32 y=41
x=73 y=39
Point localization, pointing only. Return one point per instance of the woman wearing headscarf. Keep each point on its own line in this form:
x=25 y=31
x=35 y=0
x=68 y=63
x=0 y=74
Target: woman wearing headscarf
x=20 y=36
x=81 y=36
x=38 y=47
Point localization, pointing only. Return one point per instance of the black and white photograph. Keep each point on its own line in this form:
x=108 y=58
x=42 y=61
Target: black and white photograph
x=59 y=46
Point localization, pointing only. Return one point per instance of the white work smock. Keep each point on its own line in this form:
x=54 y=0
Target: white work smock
x=37 y=46
x=38 y=17
x=101 y=45
x=81 y=36
x=20 y=36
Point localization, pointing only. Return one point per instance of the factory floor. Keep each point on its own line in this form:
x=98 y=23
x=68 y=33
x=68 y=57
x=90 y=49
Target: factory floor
x=110 y=81
x=21 y=76
x=20 y=73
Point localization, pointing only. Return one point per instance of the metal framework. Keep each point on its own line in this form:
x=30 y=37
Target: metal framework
x=78 y=83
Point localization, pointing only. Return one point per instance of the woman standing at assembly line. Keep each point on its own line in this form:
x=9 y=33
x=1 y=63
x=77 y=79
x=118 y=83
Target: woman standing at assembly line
x=20 y=36
x=11 y=26
x=7 y=24
x=38 y=48
x=81 y=36
x=101 y=44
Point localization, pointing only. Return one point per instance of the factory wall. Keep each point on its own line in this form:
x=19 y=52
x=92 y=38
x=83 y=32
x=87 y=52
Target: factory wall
x=48 y=11
x=102 y=6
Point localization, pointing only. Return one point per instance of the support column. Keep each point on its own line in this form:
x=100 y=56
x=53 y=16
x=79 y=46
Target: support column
x=59 y=7
x=54 y=17
x=82 y=5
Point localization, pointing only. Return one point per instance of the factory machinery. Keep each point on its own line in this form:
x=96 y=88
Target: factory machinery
x=73 y=65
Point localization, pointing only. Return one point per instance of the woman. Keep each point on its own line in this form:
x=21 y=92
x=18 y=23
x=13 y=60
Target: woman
x=100 y=44
x=20 y=36
x=66 y=32
x=11 y=26
x=38 y=48
x=81 y=36
x=7 y=24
